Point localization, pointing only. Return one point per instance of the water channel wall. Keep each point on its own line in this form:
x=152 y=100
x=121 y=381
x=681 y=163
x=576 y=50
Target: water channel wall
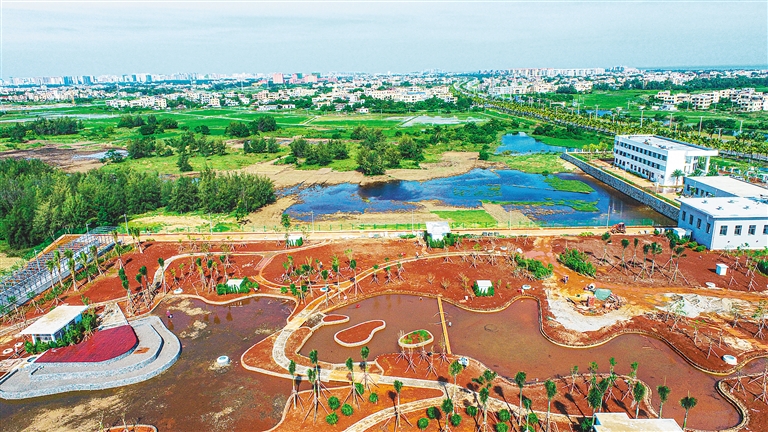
x=631 y=191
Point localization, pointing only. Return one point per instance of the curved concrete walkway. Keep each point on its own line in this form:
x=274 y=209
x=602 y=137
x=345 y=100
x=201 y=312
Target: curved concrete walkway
x=162 y=350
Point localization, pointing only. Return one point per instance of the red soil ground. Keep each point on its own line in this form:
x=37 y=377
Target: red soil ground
x=102 y=345
x=749 y=398
x=697 y=268
x=360 y=332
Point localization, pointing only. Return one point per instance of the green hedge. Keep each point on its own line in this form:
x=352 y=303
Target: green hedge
x=478 y=293
x=245 y=287
x=536 y=267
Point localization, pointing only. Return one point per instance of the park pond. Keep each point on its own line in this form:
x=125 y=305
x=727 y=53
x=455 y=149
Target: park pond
x=194 y=394
x=522 y=143
x=509 y=341
x=532 y=194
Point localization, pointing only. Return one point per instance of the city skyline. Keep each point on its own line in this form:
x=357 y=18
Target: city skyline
x=71 y=38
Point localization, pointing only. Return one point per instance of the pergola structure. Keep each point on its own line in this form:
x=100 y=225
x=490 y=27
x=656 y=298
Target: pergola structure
x=24 y=284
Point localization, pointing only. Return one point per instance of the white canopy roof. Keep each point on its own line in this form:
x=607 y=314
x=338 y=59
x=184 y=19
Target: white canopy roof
x=54 y=320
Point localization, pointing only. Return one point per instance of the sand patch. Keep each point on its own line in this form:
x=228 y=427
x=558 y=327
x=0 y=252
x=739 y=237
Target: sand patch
x=737 y=343
x=571 y=319
x=194 y=333
x=171 y=223
x=693 y=305
x=62 y=419
x=7 y=262
x=504 y=217
x=186 y=307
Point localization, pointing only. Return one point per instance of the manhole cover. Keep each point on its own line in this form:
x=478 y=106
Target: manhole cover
x=491 y=328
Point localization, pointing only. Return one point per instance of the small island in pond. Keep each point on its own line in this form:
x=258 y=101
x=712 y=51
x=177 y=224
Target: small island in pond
x=359 y=334
x=416 y=339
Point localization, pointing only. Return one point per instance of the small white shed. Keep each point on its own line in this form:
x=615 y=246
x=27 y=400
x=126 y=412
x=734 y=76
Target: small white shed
x=483 y=287
x=295 y=240
x=437 y=230
x=51 y=326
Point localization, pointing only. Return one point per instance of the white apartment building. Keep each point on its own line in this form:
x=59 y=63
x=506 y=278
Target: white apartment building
x=656 y=158
x=726 y=222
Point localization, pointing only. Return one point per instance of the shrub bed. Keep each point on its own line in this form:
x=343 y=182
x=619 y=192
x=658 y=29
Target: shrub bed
x=577 y=261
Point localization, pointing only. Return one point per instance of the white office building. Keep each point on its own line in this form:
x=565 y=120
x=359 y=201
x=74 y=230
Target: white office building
x=721 y=186
x=656 y=158
x=726 y=222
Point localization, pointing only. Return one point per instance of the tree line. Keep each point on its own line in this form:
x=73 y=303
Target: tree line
x=37 y=201
x=21 y=131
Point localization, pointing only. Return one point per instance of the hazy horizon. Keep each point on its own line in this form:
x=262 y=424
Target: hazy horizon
x=116 y=37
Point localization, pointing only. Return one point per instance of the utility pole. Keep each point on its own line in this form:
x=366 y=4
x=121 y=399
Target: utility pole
x=126 y=223
x=701 y=119
x=641 y=119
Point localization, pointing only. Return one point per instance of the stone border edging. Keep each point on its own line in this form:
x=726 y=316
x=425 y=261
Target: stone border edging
x=418 y=344
x=363 y=342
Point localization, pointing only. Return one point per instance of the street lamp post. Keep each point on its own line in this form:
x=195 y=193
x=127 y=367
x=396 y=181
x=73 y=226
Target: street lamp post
x=125 y=216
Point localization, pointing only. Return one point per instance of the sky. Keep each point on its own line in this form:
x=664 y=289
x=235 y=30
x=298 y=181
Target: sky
x=54 y=38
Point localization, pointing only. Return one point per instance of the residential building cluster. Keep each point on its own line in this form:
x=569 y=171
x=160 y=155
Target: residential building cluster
x=745 y=99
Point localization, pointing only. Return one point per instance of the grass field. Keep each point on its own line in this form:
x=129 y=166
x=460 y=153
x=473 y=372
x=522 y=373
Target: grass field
x=533 y=163
x=233 y=160
x=468 y=217
x=568 y=185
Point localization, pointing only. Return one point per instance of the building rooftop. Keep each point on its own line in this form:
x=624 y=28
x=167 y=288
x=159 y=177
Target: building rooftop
x=54 y=320
x=729 y=207
x=440 y=227
x=620 y=422
x=669 y=145
x=731 y=185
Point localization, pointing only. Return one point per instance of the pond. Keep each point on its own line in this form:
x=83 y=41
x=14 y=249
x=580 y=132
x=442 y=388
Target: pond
x=522 y=143
x=510 y=341
x=549 y=206
x=193 y=394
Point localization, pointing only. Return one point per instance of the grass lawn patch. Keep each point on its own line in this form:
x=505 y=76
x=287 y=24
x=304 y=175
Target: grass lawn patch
x=533 y=163
x=467 y=217
x=568 y=185
x=578 y=205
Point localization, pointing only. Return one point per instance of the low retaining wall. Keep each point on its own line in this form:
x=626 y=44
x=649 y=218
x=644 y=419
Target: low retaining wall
x=631 y=191
x=163 y=359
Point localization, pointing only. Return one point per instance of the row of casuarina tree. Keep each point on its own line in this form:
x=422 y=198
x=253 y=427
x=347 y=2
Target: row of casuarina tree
x=600 y=389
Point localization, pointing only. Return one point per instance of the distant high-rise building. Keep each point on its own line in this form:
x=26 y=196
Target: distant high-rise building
x=277 y=78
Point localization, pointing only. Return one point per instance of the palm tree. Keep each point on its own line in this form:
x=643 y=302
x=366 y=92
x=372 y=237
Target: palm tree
x=95 y=254
x=136 y=234
x=638 y=393
x=676 y=174
x=350 y=364
x=119 y=247
x=455 y=369
x=50 y=265
x=292 y=371
x=71 y=264
x=57 y=258
x=663 y=392
x=447 y=408
x=687 y=403
x=161 y=262
x=484 y=393
x=82 y=258
x=551 y=388
x=520 y=381
x=624 y=245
